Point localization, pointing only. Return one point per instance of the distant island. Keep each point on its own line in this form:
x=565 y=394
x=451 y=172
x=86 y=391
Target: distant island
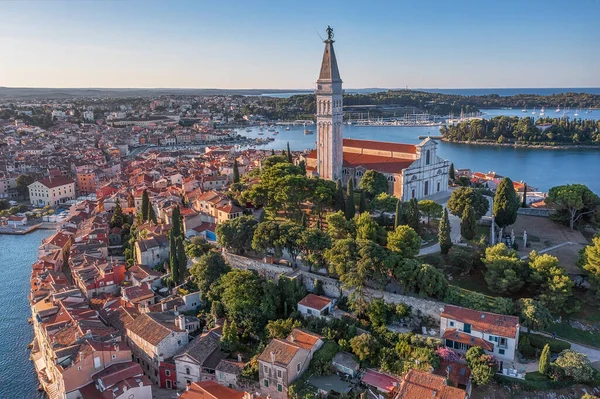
x=524 y=131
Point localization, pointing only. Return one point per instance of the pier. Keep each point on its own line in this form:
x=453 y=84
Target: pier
x=19 y=230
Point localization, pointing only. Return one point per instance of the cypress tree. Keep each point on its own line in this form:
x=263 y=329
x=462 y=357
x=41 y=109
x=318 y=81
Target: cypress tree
x=145 y=205
x=468 y=223
x=524 y=203
x=362 y=203
x=544 y=365
x=289 y=153
x=302 y=166
x=398 y=218
x=451 y=173
x=444 y=234
x=176 y=222
x=173 y=258
x=506 y=203
x=414 y=216
x=339 y=197
x=151 y=214
x=236 y=171
x=350 y=205
x=181 y=260
x=272 y=151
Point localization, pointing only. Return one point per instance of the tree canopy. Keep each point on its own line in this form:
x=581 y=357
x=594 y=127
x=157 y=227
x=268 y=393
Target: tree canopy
x=467 y=195
x=373 y=183
x=237 y=234
x=573 y=202
x=405 y=241
x=506 y=203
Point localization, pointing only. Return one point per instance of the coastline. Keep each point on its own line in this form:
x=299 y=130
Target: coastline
x=522 y=145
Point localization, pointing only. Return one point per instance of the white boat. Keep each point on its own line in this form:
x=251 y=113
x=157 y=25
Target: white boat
x=524 y=109
x=287 y=128
x=557 y=109
x=576 y=113
x=534 y=111
x=589 y=110
x=542 y=111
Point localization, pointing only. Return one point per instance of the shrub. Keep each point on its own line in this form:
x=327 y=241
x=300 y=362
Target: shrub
x=525 y=347
x=556 y=346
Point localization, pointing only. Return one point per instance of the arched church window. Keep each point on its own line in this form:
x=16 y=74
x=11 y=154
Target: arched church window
x=391 y=178
x=345 y=172
x=359 y=173
x=439 y=172
x=427 y=157
x=414 y=178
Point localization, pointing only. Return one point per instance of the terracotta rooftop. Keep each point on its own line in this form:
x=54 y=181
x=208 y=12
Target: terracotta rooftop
x=56 y=182
x=491 y=323
x=381 y=146
x=210 y=390
x=305 y=339
x=381 y=381
x=464 y=338
x=283 y=352
x=418 y=384
x=314 y=301
x=153 y=327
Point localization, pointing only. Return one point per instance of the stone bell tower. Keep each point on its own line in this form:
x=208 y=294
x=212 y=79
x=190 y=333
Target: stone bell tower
x=329 y=115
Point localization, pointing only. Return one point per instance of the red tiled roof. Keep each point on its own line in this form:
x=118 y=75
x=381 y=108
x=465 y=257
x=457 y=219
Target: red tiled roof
x=371 y=162
x=210 y=390
x=314 y=301
x=380 y=145
x=418 y=384
x=491 y=323
x=464 y=338
x=383 y=382
x=56 y=182
x=305 y=339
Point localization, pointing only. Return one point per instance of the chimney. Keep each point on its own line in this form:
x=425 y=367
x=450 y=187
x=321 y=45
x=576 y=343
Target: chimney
x=291 y=338
x=163 y=306
x=180 y=322
x=175 y=311
x=272 y=357
x=80 y=356
x=116 y=347
x=239 y=357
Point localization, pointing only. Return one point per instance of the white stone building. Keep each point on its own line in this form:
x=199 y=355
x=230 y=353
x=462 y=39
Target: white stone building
x=496 y=334
x=52 y=191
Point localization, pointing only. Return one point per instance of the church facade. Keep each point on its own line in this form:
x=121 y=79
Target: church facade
x=412 y=171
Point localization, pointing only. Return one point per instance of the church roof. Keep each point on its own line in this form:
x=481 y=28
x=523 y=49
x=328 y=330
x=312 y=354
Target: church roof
x=381 y=145
x=329 y=67
x=370 y=162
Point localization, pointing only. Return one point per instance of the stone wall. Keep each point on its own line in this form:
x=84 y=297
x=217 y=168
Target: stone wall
x=534 y=212
x=331 y=286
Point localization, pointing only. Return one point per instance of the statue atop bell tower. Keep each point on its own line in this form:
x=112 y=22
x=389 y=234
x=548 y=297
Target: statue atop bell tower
x=329 y=100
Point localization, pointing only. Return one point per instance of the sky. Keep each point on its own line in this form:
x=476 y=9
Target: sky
x=275 y=44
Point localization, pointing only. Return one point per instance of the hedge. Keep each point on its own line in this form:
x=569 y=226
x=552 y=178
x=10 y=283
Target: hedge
x=556 y=346
x=531 y=383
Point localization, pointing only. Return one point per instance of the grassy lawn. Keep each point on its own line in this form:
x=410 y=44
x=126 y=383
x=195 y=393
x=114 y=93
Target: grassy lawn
x=564 y=330
x=589 y=312
x=473 y=282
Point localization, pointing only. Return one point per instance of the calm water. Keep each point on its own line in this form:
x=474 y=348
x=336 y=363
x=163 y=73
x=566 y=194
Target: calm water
x=17 y=376
x=541 y=168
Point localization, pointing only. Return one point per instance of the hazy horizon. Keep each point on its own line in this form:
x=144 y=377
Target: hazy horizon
x=269 y=45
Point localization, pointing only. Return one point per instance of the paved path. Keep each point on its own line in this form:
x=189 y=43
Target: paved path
x=543 y=251
x=592 y=353
x=454 y=233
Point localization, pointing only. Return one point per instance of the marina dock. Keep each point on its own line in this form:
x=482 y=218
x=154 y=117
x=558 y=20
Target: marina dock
x=20 y=230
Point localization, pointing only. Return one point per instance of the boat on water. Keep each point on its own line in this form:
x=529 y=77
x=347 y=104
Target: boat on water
x=274 y=133
x=248 y=130
x=542 y=111
x=557 y=109
x=524 y=109
x=534 y=112
x=576 y=113
x=306 y=131
x=260 y=133
x=589 y=110
x=287 y=128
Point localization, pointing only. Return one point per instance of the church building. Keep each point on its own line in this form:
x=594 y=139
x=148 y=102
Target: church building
x=412 y=171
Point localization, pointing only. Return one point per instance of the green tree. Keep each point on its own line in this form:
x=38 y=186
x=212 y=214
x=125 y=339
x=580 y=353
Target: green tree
x=482 y=366
x=267 y=238
x=553 y=284
x=207 y=271
x=405 y=241
x=373 y=183
x=312 y=243
x=378 y=313
x=151 y=214
x=468 y=223
x=366 y=227
x=505 y=272
x=289 y=154
x=339 y=201
x=281 y=328
x=451 y=173
x=533 y=314
x=364 y=346
x=575 y=365
x=342 y=256
x=181 y=261
x=236 y=171
x=444 y=234
x=413 y=215
x=591 y=261
x=572 y=202
x=544 y=365
x=237 y=234
x=467 y=195
x=430 y=209
x=23 y=182
x=362 y=203
x=173 y=265
x=117 y=217
x=229 y=337
x=384 y=203
x=290 y=233
x=506 y=203
x=176 y=224
x=524 y=202
x=350 y=209
x=339 y=227
x=145 y=205
x=399 y=217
